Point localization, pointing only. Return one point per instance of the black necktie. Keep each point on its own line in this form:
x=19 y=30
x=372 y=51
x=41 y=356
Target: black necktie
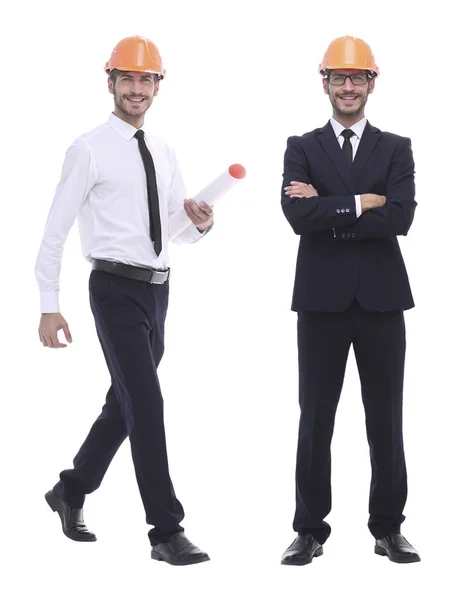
x=347 y=146
x=152 y=192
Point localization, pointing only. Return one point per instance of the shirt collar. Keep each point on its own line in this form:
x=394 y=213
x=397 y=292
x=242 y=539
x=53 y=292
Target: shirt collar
x=126 y=130
x=358 y=128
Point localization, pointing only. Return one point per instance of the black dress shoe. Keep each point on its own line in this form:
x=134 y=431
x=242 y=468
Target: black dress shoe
x=178 y=550
x=302 y=550
x=72 y=519
x=396 y=548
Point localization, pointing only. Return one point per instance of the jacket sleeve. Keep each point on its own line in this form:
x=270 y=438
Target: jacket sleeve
x=311 y=214
x=397 y=214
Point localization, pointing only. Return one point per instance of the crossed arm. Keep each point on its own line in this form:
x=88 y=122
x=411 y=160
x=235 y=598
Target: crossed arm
x=382 y=216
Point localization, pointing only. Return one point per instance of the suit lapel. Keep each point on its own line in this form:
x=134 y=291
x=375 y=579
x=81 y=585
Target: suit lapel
x=368 y=141
x=334 y=152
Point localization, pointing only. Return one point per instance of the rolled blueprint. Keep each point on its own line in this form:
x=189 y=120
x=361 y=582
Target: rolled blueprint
x=210 y=195
x=220 y=185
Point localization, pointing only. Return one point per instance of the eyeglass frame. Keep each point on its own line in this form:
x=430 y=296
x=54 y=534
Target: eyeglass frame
x=368 y=74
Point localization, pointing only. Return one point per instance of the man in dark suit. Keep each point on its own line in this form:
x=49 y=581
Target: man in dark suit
x=348 y=191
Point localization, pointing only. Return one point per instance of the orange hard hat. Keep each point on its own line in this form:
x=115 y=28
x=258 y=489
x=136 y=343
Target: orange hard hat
x=348 y=52
x=136 y=53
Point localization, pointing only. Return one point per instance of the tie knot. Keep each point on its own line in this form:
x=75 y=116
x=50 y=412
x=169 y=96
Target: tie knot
x=347 y=133
x=139 y=134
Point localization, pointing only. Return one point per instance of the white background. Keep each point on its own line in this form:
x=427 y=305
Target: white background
x=242 y=77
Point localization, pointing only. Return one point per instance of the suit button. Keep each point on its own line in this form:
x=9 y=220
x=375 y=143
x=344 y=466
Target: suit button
x=353 y=235
x=338 y=210
x=343 y=235
x=348 y=210
x=342 y=210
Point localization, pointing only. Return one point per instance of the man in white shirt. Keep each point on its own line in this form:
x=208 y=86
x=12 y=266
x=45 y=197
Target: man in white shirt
x=125 y=187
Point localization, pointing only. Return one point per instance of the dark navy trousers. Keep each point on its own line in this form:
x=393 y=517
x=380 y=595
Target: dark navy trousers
x=324 y=340
x=129 y=318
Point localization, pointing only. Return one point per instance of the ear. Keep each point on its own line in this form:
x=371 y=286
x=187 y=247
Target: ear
x=325 y=85
x=110 y=85
x=157 y=87
x=371 y=86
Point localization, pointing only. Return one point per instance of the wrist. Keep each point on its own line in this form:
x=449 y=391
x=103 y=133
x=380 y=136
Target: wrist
x=204 y=228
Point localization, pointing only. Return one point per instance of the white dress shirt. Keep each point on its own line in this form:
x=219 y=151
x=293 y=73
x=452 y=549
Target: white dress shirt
x=358 y=129
x=103 y=184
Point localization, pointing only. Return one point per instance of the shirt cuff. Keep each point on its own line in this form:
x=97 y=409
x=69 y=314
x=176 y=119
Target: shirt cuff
x=205 y=230
x=358 y=205
x=49 y=302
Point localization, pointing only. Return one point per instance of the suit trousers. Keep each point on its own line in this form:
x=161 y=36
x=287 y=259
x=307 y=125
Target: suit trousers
x=379 y=344
x=129 y=317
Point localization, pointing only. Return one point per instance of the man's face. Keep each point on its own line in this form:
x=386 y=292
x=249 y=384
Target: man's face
x=134 y=92
x=349 y=98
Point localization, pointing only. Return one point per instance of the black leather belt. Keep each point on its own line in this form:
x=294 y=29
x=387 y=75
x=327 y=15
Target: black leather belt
x=131 y=271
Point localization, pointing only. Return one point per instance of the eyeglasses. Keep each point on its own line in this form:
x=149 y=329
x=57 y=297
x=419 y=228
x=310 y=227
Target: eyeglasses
x=355 y=78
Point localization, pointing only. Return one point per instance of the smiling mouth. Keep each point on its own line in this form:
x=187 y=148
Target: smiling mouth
x=135 y=100
x=348 y=97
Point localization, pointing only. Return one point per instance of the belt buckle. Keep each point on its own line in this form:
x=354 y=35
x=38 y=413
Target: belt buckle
x=159 y=277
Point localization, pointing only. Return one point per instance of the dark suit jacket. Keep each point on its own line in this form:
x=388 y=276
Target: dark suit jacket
x=341 y=257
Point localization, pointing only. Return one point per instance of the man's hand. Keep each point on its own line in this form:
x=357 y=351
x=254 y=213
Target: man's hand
x=201 y=216
x=49 y=325
x=300 y=190
x=370 y=201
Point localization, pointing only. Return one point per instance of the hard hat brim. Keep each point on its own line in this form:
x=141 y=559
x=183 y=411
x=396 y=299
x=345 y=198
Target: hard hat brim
x=322 y=69
x=136 y=70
